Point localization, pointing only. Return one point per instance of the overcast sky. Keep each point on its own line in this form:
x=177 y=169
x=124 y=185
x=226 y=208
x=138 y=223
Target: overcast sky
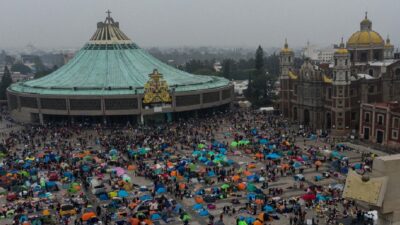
x=172 y=23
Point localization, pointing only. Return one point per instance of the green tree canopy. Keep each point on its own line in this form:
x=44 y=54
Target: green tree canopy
x=6 y=81
x=21 y=68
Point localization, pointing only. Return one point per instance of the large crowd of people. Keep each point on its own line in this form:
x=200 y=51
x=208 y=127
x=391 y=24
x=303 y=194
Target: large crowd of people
x=178 y=172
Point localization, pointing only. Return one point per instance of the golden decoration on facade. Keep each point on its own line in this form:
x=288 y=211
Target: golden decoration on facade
x=156 y=89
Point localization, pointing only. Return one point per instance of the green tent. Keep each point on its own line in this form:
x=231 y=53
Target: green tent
x=242 y=222
x=234 y=144
x=225 y=186
x=251 y=187
x=200 y=146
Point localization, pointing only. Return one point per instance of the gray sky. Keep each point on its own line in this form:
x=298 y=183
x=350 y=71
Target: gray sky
x=171 y=23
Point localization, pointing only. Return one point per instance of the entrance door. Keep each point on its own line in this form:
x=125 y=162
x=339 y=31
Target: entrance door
x=306 y=117
x=366 y=133
x=379 y=137
x=328 y=121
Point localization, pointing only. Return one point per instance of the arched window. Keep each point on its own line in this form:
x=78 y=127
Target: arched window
x=397 y=72
x=371 y=72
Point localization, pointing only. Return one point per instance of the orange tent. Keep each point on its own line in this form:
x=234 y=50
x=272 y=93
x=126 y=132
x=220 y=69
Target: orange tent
x=285 y=166
x=134 y=221
x=236 y=178
x=257 y=222
x=148 y=222
x=259 y=201
x=259 y=155
x=252 y=166
x=88 y=216
x=247 y=173
x=241 y=186
x=170 y=164
x=131 y=167
x=174 y=173
x=198 y=199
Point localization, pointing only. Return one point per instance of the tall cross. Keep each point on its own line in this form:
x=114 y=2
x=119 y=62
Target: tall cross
x=366 y=15
x=108 y=13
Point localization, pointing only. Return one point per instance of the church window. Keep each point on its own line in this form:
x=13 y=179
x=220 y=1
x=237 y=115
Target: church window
x=353 y=116
x=397 y=72
x=395 y=134
x=371 y=72
x=380 y=119
x=371 y=89
x=366 y=117
x=396 y=122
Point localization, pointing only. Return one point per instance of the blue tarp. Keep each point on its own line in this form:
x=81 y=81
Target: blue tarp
x=273 y=156
x=204 y=212
x=145 y=198
x=268 y=208
x=161 y=190
x=197 y=207
x=123 y=194
x=155 y=216
x=250 y=220
x=263 y=141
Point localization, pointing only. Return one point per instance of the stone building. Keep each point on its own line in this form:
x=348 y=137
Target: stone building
x=111 y=79
x=363 y=71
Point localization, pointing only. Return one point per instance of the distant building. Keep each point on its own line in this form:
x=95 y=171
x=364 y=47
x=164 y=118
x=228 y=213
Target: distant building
x=326 y=55
x=240 y=86
x=363 y=71
x=217 y=67
x=380 y=123
x=311 y=52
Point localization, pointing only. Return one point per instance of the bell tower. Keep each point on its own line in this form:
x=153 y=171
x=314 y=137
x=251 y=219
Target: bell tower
x=286 y=65
x=341 y=104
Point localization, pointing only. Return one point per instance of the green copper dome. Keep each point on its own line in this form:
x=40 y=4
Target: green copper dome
x=110 y=63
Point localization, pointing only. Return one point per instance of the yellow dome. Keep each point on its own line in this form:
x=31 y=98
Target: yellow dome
x=365 y=37
x=341 y=51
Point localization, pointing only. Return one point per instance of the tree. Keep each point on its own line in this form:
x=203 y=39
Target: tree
x=227 y=68
x=21 y=68
x=259 y=63
x=6 y=81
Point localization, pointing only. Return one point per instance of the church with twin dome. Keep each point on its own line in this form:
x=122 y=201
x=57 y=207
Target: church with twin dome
x=322 y=97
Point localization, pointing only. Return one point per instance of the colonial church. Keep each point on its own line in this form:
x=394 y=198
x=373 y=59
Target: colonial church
x=364 y=70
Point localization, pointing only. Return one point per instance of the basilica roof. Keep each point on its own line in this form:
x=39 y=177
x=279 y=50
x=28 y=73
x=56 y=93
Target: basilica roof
x=110 y=63
x=365 y=36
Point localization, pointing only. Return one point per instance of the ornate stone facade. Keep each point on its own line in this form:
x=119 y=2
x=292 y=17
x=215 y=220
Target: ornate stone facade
x=329 y=97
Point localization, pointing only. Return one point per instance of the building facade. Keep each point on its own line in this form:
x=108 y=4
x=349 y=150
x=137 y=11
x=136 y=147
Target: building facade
x=363 y=71
x=111 y=78
x=380 y=123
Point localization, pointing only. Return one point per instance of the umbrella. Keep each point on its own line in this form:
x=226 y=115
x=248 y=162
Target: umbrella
x=145 y=198
x=225 y=186
x=197 y=206
x=308 y=197
x=204 y=212
x=123 y=194
x=236 y=178
x=241 y=186
x=250 y=220
x=155 y=216
x=161 y=190
x=200 y=146
x=234 y=144
x=251 y=187
x=120 y=171
x=268 y=208
x=296 y=165
x=87 y=216
x=46 y=212
x=273 y=156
